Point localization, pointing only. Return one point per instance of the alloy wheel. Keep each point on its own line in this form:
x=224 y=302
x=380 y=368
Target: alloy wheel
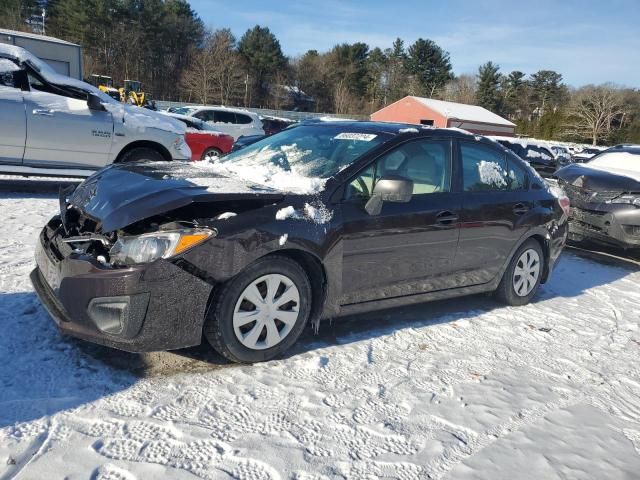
x=526 y=273
x=266 y=311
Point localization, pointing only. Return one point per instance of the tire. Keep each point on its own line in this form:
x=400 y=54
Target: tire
x=507 y=291
x=142 y=154
x=230 y=305
x=211 y=152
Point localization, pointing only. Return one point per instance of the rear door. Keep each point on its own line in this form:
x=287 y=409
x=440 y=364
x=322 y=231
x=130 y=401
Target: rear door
x=494 y=216
x=409 y=247
x=62 y=130
x=13 y=126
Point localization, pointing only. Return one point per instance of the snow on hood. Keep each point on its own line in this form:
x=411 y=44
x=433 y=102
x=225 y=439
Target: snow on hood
x=134 y=117
x=625 y=164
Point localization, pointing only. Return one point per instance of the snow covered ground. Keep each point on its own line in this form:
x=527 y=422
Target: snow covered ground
x=459 y=389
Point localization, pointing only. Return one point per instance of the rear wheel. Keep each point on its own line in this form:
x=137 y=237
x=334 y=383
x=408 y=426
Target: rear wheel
x=261 y=312
x=211 y=154
x=142 y=154
x=521 y=280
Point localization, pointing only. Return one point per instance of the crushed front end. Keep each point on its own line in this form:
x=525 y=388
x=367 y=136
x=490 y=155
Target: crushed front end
x=146 y=307
x=609 y=217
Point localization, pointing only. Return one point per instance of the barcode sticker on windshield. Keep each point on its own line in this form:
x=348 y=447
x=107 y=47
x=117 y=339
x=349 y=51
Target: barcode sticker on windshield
x=362 y=137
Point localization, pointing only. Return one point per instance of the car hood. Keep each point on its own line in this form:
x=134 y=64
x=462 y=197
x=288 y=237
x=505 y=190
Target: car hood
x=120 y=195
x=595 y=179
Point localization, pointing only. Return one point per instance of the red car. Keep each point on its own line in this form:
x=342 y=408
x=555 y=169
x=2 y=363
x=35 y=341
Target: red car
x=205 y=142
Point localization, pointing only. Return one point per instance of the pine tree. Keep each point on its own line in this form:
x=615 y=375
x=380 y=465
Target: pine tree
x=488 y=94
x=429 y=65
x=263 y=55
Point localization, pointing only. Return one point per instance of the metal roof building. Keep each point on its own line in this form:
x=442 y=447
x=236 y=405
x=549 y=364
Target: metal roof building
x=64 y=57
x=427 y=111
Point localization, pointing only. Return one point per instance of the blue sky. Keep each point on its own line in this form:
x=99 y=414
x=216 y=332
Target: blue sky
x=587 y=41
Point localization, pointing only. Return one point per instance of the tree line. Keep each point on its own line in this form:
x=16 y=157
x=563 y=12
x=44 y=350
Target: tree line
x=164 y=44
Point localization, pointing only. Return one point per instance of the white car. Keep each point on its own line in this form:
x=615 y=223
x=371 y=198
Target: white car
x=232 y=121
x=51 y=124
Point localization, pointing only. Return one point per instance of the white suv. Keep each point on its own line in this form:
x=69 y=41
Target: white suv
x=232 y=121
x=51 y=124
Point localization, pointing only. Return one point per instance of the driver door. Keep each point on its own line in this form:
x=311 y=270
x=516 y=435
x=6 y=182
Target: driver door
x=63 y=131
x=409 y=248
x=13 y=129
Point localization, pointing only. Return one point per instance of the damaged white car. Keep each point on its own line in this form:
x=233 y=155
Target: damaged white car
x=51 y=124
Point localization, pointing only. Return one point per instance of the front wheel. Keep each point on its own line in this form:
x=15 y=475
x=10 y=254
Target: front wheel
x=140 y=154
x=521 y=280
x=261 y=312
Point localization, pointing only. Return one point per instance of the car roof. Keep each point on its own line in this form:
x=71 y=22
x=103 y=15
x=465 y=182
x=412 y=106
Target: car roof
x=630 y=148
x=185 y=118
x=228 y=109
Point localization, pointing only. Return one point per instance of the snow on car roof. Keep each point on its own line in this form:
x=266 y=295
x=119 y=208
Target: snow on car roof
x=228 y=109
x=461 y=111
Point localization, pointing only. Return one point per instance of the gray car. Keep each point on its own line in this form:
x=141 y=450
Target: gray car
x=51 y=124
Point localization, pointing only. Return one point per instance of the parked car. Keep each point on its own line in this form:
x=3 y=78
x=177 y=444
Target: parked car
x=586 y=153
x=541 y=158
x=205 y=142
x=273 y=125
x=561 y=152
x=51 y=124
x=314 y=222
x=605 y=197
x=232 y=121
x=246 y=140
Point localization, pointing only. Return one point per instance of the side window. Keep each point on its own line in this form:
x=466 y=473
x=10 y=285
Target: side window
x=518 y=178
x=426 y=162
x=483 y=168
x=7 y=70
x=243 y=119
x=205 y=115
x=534 y=152
x=222 y=116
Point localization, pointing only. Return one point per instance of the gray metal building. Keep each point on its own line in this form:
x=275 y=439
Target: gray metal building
x=64 y=57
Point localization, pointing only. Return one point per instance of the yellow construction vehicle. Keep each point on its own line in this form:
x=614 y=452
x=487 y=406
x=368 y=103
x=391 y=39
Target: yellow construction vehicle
x=105 y=84
x=132 y=93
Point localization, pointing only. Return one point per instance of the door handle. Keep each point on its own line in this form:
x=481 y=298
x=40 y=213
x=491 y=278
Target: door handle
x=520 y=209
x=446 y=218
x=44 y=112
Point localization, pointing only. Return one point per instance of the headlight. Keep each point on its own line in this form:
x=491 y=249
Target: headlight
x=151 y=246
x=626 y=199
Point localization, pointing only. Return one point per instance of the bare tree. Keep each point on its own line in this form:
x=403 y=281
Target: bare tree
x=198 y=81
x=593 y=111
x=227 y=73
x=461 y=89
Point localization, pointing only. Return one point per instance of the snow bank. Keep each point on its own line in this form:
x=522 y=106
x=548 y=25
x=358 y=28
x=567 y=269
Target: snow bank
x=463 y=389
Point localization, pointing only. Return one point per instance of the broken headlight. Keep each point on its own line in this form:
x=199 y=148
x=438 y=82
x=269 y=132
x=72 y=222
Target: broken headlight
x=151 y=246
x=626 y=199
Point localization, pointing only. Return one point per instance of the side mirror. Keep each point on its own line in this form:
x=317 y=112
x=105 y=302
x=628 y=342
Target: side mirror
x=393 y=188
x=94 y=102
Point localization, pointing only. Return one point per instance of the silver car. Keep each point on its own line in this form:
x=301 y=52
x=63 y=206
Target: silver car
x=51 y=124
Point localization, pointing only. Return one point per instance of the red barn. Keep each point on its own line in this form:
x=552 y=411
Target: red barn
x=426 y=111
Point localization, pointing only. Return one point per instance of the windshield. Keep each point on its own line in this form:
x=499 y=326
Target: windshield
x=312 y=151
x=617 y=160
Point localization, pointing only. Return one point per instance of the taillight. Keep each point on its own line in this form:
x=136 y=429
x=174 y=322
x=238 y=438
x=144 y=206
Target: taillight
x=565 y=205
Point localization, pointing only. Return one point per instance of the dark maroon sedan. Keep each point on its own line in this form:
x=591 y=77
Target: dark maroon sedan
x=314 y=222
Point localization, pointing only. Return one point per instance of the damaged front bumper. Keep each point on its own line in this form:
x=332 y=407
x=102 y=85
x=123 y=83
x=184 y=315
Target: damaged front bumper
x=158 y=306
x=620 y=228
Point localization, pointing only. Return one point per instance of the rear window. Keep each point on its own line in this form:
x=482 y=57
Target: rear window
x=243 y=119
x=222 y=116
